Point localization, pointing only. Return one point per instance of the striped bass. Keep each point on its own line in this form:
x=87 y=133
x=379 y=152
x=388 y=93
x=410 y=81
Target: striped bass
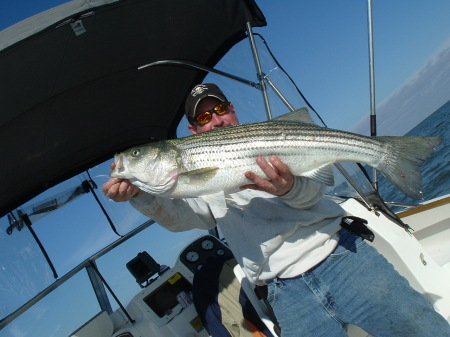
x=204 y=164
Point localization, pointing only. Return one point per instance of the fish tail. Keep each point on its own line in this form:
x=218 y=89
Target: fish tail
x=404 y=160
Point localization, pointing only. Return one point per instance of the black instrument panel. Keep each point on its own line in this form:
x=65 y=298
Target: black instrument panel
x=197 y=253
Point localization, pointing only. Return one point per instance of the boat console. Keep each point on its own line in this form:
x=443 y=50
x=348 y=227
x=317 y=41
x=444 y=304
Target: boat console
x=164 y=306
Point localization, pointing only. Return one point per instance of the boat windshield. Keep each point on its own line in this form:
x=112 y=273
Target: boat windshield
x=70 y=232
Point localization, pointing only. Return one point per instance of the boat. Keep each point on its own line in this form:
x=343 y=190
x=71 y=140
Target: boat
x=87 y=79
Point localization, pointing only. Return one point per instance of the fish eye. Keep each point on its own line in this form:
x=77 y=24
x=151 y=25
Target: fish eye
x=135 y=152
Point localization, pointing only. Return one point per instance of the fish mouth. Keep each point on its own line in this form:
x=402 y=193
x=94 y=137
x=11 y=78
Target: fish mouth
x=121 y=163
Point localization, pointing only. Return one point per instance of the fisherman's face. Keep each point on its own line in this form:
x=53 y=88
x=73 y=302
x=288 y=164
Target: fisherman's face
x=217 y=121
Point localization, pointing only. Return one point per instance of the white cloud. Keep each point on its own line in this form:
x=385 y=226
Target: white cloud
x=421 y=95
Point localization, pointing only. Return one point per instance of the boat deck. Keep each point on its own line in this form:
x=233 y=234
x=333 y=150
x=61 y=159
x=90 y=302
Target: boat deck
x=431 y=224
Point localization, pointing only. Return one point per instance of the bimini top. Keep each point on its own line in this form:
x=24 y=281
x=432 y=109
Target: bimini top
x=71 y=94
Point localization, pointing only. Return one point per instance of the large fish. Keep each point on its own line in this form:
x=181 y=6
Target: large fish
x=215 y=161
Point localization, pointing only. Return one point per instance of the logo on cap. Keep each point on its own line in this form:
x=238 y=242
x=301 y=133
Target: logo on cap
x=197 y=90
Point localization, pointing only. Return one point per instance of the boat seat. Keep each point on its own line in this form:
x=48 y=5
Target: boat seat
x=258 y=304
x=222 y=304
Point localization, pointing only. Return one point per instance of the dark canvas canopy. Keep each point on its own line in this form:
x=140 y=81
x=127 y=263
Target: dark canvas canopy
x=71 y=94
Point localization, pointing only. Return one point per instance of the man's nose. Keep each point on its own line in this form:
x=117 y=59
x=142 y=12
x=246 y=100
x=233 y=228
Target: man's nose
x=216 y=120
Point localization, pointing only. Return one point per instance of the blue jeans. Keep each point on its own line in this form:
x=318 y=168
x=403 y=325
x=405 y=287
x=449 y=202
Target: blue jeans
x=354 y=285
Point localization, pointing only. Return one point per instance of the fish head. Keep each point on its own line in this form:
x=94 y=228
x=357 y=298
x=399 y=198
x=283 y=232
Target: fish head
x=153 y=168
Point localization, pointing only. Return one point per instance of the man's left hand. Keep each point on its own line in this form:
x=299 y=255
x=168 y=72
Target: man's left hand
x=279 y=179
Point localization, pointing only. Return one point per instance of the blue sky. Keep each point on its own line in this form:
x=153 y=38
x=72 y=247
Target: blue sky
x=323 y=46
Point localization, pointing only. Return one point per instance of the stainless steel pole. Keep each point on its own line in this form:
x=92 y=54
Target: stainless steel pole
x=373 y=119
x=260 y=74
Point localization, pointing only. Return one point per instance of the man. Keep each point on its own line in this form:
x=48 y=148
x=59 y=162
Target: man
x=286 y=235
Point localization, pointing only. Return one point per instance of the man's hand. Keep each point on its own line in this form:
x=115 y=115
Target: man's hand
x=280 y=179
x=119 y=189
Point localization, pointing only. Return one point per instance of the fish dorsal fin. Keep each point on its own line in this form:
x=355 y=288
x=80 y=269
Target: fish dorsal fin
x=198 y=177
x=322 y=174
x=300 y=115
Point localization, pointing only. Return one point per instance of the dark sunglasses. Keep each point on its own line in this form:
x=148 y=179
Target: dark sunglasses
x=206 y=117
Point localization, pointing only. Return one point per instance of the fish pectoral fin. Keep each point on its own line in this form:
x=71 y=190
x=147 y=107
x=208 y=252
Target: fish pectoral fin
x=322 y=175
x=216 y=199
x=198 y=177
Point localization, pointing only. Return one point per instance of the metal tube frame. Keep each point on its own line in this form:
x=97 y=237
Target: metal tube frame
x=84 y=265
x=259 y=73
x=373 y=115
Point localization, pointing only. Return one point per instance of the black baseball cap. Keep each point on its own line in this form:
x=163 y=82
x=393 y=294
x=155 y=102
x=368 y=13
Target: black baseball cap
x=198 y=93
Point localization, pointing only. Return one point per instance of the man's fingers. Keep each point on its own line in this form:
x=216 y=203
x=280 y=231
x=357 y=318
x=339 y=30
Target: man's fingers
x=281 y=168
x=259 y=183
x=275 y=172
x=119 y=189
x=279 y=178
x=268 y=170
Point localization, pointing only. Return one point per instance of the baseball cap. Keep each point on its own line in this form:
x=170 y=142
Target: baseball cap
x=198 y=93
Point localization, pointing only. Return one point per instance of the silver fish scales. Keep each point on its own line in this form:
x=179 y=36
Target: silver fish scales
x=215 y=161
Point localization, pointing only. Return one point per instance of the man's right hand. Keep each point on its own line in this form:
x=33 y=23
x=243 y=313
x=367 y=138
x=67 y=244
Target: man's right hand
x=119 y=189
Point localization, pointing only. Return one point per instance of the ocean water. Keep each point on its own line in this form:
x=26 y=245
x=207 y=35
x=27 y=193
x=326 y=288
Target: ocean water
x=436 y=170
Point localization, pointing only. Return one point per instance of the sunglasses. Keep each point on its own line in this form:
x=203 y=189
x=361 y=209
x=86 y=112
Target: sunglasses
x=206 y=117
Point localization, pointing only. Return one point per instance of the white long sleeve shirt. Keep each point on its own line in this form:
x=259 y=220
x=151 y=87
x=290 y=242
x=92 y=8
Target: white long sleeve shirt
x=270 y=236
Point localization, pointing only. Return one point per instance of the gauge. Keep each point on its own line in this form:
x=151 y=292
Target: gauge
x=192 y=256
x=207 y=244
x=220 y=252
